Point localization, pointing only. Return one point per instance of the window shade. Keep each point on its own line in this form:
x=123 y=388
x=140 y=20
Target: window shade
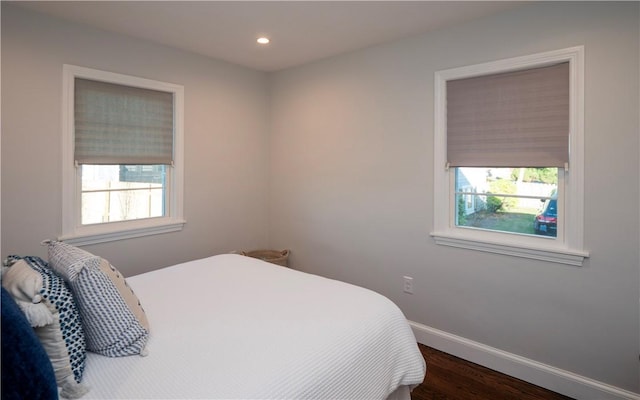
x=117 y=124
x=514 y=119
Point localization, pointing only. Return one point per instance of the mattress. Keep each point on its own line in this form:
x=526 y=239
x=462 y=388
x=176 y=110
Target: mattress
x=234 y=327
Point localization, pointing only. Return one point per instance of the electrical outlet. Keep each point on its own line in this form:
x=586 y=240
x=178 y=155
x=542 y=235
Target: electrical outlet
x=407 y=286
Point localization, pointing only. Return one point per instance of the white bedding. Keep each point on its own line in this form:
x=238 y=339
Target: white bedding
x=233 y=327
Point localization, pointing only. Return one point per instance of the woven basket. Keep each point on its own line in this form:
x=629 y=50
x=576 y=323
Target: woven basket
x=272 y=256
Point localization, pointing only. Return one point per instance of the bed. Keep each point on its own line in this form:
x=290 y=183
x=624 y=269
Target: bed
x=235 y=327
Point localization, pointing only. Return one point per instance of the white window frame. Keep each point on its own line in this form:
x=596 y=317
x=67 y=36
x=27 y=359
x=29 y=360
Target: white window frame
x=72 y=229
x=567 y=247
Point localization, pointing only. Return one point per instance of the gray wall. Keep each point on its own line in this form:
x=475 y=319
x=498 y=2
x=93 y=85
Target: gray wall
x=226 y=127
x=351 y=190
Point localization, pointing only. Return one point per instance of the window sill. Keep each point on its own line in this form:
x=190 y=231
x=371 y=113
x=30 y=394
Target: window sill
x=557 y=255
x=101 y=233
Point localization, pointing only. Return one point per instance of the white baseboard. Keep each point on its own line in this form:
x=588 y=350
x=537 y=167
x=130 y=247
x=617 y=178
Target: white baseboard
x=546 y=376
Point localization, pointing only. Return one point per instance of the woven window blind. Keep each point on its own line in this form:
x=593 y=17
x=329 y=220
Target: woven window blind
x=117 y=124
x=513 y=119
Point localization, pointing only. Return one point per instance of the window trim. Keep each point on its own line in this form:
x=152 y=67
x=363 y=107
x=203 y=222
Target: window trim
x=73 y=231
x=567 y=248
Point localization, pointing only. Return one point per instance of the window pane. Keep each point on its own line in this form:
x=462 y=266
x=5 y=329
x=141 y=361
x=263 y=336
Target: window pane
x=122 y=192
x=515 y=200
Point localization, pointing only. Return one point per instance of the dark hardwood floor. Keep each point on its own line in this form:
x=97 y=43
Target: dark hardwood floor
x=451 y=378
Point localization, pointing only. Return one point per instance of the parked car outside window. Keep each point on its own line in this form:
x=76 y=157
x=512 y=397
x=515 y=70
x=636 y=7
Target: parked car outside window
x=546 y=222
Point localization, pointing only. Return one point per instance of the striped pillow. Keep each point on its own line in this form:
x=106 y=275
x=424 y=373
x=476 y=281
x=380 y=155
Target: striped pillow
x=110 y=324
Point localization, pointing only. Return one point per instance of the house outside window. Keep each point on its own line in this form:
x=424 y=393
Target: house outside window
x=122 y=156
x=505 y=180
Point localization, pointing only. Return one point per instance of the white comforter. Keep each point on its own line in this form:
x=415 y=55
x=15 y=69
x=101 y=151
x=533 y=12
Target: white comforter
x=233 y=327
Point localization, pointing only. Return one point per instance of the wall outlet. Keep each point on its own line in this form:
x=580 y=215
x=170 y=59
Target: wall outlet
x=407 y=286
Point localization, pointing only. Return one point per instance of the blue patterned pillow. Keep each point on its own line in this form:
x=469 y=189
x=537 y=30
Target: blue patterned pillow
x=58 y=326
x=110 y=326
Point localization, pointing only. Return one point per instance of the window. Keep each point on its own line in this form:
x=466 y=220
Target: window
x=508 y=157
x=122 y=156
x=113 y=193
x=514 y=200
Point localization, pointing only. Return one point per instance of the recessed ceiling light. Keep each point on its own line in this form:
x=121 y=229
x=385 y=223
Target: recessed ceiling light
x=263 y=40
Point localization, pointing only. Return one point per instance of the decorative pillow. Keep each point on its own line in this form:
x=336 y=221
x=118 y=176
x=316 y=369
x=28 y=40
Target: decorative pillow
x=49 y=306
x=24 y=360
x=110 y=324
x=125 y=291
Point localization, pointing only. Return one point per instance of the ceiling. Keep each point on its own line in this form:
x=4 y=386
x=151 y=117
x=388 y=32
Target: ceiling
x=300 y=31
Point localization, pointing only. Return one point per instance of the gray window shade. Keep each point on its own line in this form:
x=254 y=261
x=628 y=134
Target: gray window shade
x=117 y=124
x=514 y=119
